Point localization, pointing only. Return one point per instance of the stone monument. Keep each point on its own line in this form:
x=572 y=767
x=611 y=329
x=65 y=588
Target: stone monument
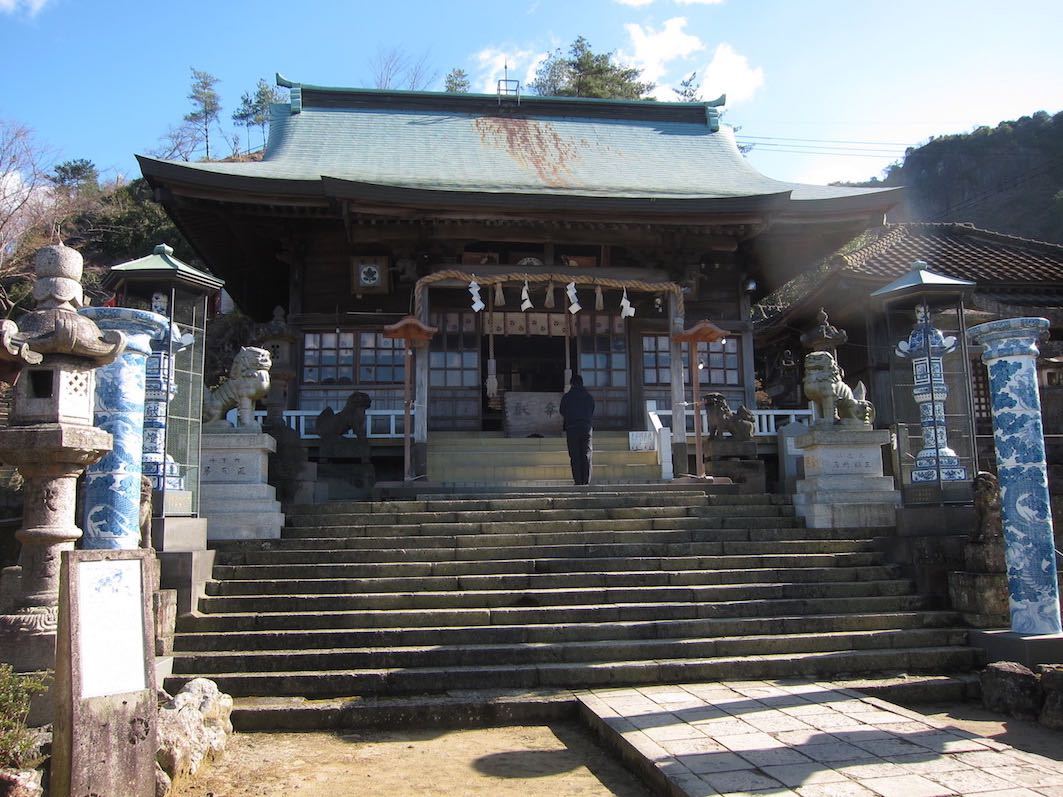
x=1010 y=354
x=843 y=482
x=235 y=495
x=290 y=470
x=980 y=591
x=50 y=439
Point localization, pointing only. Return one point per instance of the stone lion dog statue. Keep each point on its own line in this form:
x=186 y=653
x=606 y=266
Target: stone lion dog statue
x=740 y=424
x=835 y=401
x=247 y=383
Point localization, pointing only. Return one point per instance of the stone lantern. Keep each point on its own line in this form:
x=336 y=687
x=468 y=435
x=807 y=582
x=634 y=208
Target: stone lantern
x=51 y=439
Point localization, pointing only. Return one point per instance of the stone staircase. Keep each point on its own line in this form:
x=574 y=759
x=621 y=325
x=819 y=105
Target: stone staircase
x=565 y=589
x=479 y=458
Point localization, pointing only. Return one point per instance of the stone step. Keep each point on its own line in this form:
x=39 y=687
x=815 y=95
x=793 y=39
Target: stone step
x=325 y=518
x=561 y=632
x=207 y=664
x=531 y=456
x=439 y=679
x=323 y=568
x=531 y=551
x=328 y=539
x=608 y=499
x=614 y=612
x=471 y=472
x=491 y=599
x=639 y=578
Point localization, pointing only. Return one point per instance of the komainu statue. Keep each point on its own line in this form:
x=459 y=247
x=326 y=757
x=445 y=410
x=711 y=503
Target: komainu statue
x=740 y=424
x=247 y=383
x=332 y=427
x=988 y=526
x=835 y=401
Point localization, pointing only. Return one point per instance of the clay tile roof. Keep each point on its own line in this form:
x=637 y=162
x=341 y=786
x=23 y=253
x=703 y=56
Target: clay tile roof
x=955 y=250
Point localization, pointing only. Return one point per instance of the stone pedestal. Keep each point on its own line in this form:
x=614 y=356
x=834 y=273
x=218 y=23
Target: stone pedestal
x=736 y=460
x=186 y=565
x=235 y=497
x=843 y=484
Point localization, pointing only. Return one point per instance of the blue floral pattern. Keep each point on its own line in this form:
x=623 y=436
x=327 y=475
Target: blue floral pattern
x=112 y=485
x=1010 y=354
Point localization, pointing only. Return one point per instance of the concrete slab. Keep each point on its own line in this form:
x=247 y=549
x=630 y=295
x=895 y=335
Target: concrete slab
x=850 y=745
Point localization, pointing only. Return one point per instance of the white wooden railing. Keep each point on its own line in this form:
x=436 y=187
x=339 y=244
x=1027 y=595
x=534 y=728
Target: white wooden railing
x=379 y=424
x=767 y=422
x=662 y=437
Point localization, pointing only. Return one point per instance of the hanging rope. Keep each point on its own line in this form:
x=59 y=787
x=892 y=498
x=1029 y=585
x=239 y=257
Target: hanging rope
x=602 y=282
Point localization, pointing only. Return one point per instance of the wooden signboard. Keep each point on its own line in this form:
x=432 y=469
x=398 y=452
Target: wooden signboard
x=106 y=708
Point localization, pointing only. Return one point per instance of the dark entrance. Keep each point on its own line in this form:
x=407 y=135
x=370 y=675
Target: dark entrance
x=530 y=364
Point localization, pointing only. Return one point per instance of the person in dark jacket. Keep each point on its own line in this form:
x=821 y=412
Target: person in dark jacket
x=577 y=412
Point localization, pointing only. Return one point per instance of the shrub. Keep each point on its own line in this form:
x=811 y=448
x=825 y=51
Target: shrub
x=17 y=742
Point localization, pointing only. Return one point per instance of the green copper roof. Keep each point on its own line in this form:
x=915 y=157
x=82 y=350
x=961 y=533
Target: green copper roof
x=470 y=144
x=161 y=264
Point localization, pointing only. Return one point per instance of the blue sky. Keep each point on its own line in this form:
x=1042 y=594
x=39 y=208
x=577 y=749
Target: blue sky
x=830 y=89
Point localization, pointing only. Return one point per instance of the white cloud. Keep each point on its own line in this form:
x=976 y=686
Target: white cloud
x=30 y=7
x=700 y=2
x=655 y=49
x=729 y=72
x=634 y=3
x=491 y=63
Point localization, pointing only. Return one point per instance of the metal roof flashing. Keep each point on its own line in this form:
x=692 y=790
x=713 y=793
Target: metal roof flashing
x=921 y=278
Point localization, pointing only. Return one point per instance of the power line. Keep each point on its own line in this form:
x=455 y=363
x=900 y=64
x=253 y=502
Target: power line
x=828 y=141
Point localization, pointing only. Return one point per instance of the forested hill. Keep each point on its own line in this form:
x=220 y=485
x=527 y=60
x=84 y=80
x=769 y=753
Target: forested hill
x=1007 y=178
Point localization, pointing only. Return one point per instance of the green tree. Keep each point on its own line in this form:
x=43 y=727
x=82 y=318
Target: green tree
x=456 y=82
x=206 y=105
x=78 y=176
x=585 y=73
x=254 y=108
x=689 y=90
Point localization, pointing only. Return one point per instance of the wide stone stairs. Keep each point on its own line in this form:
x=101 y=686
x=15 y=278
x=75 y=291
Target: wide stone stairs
x=526 y=591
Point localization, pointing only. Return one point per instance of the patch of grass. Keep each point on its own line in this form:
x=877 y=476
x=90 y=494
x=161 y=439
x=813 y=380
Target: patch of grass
x=17 y=742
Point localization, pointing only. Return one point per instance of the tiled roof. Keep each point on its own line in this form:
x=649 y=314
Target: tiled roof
x=418 y=141
x=955 y=250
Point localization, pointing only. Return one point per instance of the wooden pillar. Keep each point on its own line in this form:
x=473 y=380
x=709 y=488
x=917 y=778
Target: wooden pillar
x=420 y=400
x=679 y=422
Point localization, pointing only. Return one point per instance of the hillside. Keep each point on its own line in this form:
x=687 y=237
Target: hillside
x=1007 y=178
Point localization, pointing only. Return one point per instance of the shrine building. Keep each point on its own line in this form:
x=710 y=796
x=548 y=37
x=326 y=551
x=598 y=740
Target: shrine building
x=541 y=236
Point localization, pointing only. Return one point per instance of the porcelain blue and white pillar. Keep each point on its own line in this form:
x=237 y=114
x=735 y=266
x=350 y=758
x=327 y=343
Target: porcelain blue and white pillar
x=112 y=485
x=1010 y=355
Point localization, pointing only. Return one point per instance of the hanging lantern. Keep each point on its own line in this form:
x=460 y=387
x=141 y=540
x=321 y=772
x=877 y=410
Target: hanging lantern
x=599 y=302
x=477 y=302
x=525 y=298
x=500 y=297
x=574 y=306
x=626 y=310
x=549 y=303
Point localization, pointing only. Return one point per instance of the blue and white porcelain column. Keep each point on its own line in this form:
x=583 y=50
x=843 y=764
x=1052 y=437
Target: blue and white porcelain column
x=112 y=485
x=1010 y=355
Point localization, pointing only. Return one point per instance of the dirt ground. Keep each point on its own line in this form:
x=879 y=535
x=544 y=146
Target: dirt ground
x=560 y=760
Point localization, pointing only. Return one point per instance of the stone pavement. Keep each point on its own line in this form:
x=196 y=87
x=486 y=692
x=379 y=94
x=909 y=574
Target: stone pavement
x=808 y=738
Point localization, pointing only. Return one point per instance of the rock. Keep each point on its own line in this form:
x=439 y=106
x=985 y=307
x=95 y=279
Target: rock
x=20 y=783
x=162 y=782
x=193 y=727
x=1010 y=688
x=1051 y=677
x=1052 y=711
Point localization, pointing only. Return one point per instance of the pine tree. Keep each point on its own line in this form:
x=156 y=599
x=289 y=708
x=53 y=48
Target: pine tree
x=585 y=73
x=206 y=105
x=456 y=82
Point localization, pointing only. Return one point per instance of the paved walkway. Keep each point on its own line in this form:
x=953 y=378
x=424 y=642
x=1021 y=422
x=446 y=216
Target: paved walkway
x=773 y=738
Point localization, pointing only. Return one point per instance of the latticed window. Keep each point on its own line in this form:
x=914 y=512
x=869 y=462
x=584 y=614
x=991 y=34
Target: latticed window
x=454 y=353
x=720 y=360
x=347 y=357
x=602 y=351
